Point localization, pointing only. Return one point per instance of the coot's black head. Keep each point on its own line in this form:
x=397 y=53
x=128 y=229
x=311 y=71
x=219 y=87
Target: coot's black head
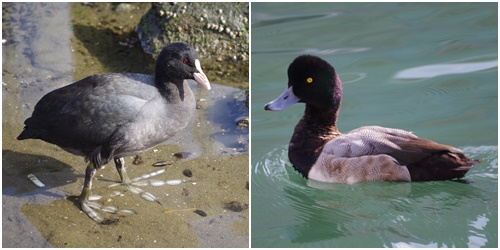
x=313 y=81
x=178 y=61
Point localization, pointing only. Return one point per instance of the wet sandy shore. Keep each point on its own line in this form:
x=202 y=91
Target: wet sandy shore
x=48 y=217
x=219 y=177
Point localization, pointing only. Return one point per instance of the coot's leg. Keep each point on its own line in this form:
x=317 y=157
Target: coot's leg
x=120 y=167
x=89 y=207
x=86 y=205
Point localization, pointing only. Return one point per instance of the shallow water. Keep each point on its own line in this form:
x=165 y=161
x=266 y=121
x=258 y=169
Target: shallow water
x=430 y=68
x=44 y=49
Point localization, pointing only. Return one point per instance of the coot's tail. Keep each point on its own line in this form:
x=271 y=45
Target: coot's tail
x=28 y=134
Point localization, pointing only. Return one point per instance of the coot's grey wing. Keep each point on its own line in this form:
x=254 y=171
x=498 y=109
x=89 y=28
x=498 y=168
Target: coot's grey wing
x=90 y=110
x=402 y=145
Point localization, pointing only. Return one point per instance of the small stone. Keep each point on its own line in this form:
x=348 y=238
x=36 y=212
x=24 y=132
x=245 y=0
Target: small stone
x=243 y=122
x=236 y=206
x=200 y=213
x=182 y=155
x=137 y=160
x=187 y=173
x=161 y=164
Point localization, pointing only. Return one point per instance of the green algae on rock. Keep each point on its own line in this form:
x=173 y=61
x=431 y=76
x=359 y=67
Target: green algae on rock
x=218 y=31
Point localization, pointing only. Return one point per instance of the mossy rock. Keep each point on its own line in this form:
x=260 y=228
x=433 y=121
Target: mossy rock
x=217 y=31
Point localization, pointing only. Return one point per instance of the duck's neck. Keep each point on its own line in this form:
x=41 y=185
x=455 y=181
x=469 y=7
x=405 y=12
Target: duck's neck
x=316 y=128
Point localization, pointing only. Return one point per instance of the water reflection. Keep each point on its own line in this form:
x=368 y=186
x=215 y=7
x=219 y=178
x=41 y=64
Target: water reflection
x=434 y=70
x=40 y=33
x=479 y=239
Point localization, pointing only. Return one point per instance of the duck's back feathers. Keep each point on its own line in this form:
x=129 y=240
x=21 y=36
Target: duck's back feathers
x=372 y=140
x=379 y=153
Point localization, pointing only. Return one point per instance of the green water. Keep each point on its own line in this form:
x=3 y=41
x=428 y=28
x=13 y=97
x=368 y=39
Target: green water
x=430 y=68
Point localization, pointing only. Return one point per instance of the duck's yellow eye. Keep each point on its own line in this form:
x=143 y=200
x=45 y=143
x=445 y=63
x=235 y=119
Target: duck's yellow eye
x=309 y=80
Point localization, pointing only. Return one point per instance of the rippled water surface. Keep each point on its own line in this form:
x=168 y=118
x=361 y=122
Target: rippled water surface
x=429 y=68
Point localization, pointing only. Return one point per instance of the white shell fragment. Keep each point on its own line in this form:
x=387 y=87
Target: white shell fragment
x=135 y=190
x=145 y=176
x=141 y=183
x=117 y=193
x=156 y=183
x=148 y=175
x=157 y=172
x=174 y=182
x=149 y=196
x=114 y=185
x=35 y=180
x=125 y=211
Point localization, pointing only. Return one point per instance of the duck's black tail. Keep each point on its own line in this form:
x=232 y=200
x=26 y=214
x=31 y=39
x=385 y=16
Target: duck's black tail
x=443 y=165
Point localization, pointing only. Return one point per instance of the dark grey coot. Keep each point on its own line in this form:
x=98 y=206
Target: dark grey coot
x=109 y=116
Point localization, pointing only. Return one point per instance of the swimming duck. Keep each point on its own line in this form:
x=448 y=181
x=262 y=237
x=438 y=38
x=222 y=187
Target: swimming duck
x=319 y=151
x=109 y=116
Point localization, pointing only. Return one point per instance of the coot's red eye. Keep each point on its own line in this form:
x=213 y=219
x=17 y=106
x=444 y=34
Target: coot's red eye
x=185 y=61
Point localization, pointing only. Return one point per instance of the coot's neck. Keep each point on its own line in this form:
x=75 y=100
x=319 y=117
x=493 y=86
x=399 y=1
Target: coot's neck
x=174 y=90
x=316 y=128
x=179 y=103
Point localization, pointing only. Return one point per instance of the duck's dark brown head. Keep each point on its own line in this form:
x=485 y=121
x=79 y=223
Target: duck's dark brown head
x=313 y=81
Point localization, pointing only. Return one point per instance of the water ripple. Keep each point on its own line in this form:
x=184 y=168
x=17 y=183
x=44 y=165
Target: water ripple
x=452 y=86
x=335 y=51
x=303 y=211
x=311 y=51
x=262 y=20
